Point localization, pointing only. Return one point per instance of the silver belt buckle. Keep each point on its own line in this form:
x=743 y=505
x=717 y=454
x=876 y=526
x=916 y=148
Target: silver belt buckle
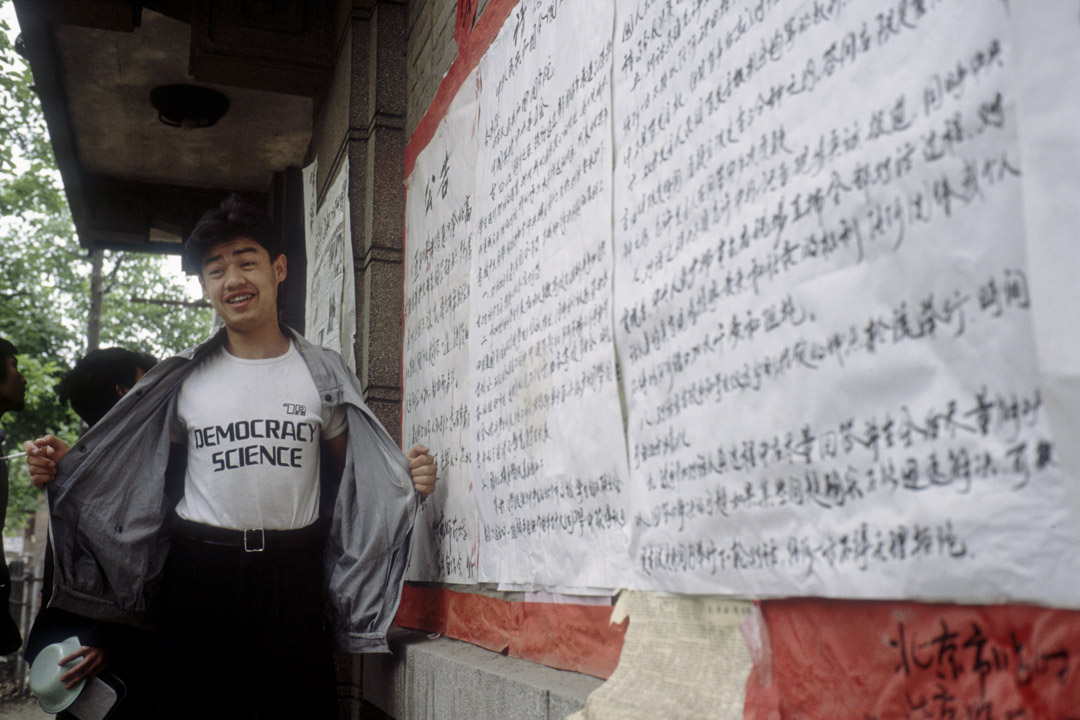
x=261 y=545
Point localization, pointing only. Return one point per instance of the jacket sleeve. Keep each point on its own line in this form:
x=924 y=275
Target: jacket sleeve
x=370 y=534
x=106 y=505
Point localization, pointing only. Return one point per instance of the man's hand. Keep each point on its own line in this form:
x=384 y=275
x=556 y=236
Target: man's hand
x=42 y=455
x=93 y=663
x=422 y=465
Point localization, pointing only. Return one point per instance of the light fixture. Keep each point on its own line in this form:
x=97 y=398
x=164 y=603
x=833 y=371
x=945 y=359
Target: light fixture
x=188 y=106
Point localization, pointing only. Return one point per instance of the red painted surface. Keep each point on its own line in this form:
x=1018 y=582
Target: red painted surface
x=466 y=16
x=470 y=51
x=850 y=660
x=568 y=637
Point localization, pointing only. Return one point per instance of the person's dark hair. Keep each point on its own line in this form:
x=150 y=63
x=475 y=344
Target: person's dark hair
x=90 y=386
x=7 y=350
x=233 y=219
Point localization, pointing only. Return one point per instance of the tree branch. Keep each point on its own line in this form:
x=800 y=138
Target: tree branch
x=180 y=303
x=109 y=280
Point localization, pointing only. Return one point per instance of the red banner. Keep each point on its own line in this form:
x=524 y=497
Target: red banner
x=463 y=23
x=847 y=660
x=567 y=637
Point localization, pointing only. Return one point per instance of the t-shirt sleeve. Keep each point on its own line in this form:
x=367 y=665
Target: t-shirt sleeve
x=334 y=421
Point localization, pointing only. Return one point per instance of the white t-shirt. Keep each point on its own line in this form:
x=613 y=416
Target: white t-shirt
x=252 y=429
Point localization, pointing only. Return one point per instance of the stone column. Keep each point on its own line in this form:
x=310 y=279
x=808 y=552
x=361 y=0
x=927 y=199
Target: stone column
x=376 y=151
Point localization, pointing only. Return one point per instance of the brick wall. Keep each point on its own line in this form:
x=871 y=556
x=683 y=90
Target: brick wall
x=430 y=49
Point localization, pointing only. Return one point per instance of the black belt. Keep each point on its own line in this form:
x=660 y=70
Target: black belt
x=252 y=539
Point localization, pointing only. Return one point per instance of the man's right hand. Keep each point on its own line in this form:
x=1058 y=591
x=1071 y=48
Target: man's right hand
x=42 y=455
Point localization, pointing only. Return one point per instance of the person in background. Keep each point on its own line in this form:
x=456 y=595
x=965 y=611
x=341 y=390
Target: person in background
x=12 y=399
x=100 y=379
x=93 y=387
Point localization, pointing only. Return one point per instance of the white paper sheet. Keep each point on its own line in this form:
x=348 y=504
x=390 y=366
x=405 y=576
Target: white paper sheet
x=439 y=206
x=823 y=304
x=330 y=315
x=1048 y=50
x=549 y=453
x=683 y=657
x=310 y=180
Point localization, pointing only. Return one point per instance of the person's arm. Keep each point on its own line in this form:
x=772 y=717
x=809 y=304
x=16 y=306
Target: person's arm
x=422 y=466
x=42 y=455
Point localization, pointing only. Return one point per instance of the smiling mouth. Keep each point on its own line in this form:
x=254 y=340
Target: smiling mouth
x=237 y=299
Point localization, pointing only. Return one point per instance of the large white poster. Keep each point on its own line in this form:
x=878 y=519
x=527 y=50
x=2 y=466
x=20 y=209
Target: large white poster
x=549 y=455
x=330 y=316
x=440 y=203
x=830 y=244
x=823 y=304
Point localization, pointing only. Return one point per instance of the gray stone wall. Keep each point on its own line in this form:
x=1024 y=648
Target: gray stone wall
x=362 y=119
x=433 y=678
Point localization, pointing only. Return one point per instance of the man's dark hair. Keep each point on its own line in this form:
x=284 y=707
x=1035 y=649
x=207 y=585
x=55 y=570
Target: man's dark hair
x=90 y=386
x=7 y=350
x=233 y=219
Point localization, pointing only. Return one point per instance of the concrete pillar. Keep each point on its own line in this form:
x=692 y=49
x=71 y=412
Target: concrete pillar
x=376 y=151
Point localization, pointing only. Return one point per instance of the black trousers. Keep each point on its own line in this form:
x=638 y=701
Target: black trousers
x=242 y=635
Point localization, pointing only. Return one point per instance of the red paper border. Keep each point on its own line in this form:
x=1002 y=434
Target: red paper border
x=578 y=638
x=475 y=45
x=880 y=660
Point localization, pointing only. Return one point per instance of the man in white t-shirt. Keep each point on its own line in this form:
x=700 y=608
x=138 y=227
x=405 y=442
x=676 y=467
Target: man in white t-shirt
x=256 y=433
x=260 y=428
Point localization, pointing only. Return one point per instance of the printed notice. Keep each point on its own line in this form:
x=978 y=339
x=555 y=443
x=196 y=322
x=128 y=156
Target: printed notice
x=823 y=304
x=548 y=447
x=440 y=203
x=684 y=658
x=330 y=317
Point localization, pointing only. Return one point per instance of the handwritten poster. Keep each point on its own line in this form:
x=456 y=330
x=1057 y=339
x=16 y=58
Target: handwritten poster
x=440 y=203
x=878 y=661
x=549 y=458
x=823 y=304
x=330 y=316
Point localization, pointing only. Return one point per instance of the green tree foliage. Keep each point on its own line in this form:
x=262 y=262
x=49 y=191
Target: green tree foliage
x=45 y=278
x=162 y=327
x=42 y=415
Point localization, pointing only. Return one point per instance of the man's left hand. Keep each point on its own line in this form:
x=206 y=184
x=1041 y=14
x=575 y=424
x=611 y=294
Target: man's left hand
x=422 y=465
x=92 y=664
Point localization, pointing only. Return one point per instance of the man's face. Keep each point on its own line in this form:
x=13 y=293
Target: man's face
x=13 y=388
x=241 y=282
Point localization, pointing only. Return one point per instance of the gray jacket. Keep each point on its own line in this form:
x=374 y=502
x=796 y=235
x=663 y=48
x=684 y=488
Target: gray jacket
x=108 y=509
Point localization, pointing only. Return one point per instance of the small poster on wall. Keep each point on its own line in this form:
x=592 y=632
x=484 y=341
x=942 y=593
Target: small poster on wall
x=330 y=316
